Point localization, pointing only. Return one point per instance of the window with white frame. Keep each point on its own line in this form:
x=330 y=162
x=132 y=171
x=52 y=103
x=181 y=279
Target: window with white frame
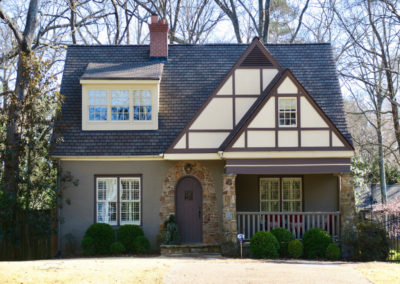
x=97 y=105
x=281 y=194
x=269 y=194
x=291 y=194
x=142 y=106
x=119 y=105
x=118 y=200
x=130 y=200
x=287 y=111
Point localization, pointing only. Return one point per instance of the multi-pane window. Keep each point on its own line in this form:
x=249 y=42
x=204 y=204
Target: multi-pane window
x=119 y=105
x=269 y=194
x=106 y=200
x=281 y=194
x=130 y=200
x=97 y=105
x=291 y=194
x=287 y=111
x=118 y=200
x=142 y=105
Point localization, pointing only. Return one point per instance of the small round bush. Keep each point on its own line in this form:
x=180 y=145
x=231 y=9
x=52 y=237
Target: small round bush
x=295 y=249
x=117 y=248
x=284 y=236
x=103 y=236
x=127 y=235
x=142 y=245
x=373 y=242
x=264 y=245
x=332 y=252
x=88 y=246
x=315 y=242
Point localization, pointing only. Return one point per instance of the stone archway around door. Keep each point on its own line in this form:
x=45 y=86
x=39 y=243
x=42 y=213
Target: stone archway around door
x=211 y=234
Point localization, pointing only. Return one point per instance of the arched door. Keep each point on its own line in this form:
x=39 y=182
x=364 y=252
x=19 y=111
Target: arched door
x=189 y=211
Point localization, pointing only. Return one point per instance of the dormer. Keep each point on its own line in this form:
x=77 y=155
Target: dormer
x=125 y=96
x=121 y=96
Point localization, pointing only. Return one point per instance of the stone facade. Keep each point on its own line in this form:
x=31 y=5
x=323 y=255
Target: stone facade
x=229 y=220
x=211 y=234
x=348 y=217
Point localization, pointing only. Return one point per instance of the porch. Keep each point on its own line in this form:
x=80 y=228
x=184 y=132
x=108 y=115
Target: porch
x=295 y=202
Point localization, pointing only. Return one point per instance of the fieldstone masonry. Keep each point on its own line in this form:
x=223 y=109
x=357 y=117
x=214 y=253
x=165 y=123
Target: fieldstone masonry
x=211 y=234
x=348 y=218
x=229 y=220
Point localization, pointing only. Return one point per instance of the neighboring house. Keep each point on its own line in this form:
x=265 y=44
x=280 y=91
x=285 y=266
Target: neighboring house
x=367 y=197
x=228 y=137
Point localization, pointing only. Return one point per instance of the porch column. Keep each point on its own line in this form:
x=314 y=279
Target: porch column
x=229 y=220
x=348 y=218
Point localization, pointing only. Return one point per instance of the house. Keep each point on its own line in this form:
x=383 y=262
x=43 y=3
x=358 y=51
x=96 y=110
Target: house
x=228 y=137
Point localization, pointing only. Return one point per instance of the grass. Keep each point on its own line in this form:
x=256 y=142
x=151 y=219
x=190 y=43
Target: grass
x=381 y=272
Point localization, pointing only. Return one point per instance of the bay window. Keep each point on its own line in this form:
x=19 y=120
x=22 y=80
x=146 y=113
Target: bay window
x=142 y=107
x=118 y=200
x=281 y=194
x=119 y=105
x=97 y=105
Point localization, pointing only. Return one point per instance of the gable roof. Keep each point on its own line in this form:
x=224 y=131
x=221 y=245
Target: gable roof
x=189 y=76
x=260 y=102
x=114 y=71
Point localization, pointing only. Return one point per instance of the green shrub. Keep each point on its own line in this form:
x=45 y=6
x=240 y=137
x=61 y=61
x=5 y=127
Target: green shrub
x=127 y=235
x=141 y=245
x=332 y=252
x=117 y=248
x=295 y=249
x=88 y=246
x=264 y=245
x=230 y=249
x=284 y=236
x=373 y=242
x=172 y=233
x=315 y=242
x=102 y=237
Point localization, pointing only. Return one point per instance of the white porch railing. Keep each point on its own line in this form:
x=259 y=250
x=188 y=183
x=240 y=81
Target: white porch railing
x=298 y=223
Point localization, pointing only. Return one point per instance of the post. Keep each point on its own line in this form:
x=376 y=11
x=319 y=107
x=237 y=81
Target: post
x=348 y=218
x=229 y=220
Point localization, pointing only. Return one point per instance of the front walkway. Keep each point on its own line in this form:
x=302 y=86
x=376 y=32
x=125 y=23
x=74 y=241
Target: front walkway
x=188 y=270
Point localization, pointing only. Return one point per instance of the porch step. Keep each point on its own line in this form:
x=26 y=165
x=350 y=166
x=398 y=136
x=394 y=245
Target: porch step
x=191 y=250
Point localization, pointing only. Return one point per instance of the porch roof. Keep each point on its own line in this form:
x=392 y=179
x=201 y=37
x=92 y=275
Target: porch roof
x=288 y=166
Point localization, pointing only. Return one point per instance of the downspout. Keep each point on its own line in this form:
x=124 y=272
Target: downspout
x=59 y=208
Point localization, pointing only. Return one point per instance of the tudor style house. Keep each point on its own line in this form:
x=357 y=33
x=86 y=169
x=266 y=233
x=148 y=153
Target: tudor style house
x=228 y=137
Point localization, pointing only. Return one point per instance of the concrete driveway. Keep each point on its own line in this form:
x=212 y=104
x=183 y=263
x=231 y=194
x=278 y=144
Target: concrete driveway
x=182 y=270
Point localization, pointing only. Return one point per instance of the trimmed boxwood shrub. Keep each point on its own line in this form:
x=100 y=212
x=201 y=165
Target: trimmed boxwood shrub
x=295 y=249
x=117 y=248
x=88 y=247
x=284 y=236
x=264 y=245
x=332 y=252
x=127 y=235
x=142 y=245
x=315 y=242
x=102 y=236
x=373 y=242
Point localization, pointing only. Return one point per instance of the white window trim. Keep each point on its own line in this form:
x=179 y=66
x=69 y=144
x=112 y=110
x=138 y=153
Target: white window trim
x=131 y=124
x=278 y=112
x=293 y=200
x=118 y=178
x=280 y=195
x=279 y=192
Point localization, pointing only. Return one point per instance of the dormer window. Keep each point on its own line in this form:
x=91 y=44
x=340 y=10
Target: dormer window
x=287 y=111
x=97 y=105
x=142 y=105
x=119 y=105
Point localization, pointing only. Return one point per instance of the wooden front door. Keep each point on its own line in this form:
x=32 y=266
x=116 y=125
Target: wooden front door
x=189 y=212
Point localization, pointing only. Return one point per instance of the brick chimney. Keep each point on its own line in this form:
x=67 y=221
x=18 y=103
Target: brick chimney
x=158 y=37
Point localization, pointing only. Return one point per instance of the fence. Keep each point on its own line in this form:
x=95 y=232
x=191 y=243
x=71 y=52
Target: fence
x=33 y=237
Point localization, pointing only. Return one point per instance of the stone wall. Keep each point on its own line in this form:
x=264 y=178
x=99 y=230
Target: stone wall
x=211 y=234
x=229 y=220
x=348 y=218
